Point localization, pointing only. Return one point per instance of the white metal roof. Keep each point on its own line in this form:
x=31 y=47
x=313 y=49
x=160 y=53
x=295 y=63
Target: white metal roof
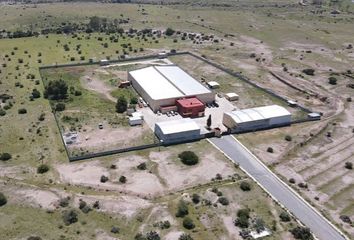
x=231 y=94
x=156 y=85
x=259 y=113
x=177 y=126
x=213 y=83
x=182 y=80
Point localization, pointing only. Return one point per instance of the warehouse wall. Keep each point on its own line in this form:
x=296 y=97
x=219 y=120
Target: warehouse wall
x=178 y=136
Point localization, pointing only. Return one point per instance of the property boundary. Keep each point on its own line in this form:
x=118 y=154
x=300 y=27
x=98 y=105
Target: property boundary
x=146 y=146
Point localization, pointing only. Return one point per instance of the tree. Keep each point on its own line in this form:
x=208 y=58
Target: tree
x=195 y=198
x=182 y=209
x=5 y=156
x=223 y=200
x=56 y=90
x=3 y=199
x=121 y=105
x=245 y=186
x=134 y=100
x=332 y=80
x=209 y=121
x=188 y=158
x=259 y=225
x=22 y=111
x=43 y=168
x=142 y=166
x=188 y=223
x=69 y=216
x=348 y=165
x=169 y=32
x=152 y=235
x=302 y=233
x=284 y=217
x=309 y=71
x=122 y=179
x=185 y=236
x=36 y=93
x=104 y=179
x=95 y=23
x=59 y=107
x=242 y=218
x=288 y=138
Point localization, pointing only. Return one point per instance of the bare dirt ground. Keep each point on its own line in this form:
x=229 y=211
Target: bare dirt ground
x=94 y=84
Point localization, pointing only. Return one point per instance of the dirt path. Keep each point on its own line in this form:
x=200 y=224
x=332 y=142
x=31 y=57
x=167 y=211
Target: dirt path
x=91 y=83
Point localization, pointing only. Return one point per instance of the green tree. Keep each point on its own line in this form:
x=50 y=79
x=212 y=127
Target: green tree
x=3 y=199
x=182 y=209
x=302 y=233
x=245 y=186
x=169 y=31
x=284 y=217
x=185 y=236
x=5 y=156
x=209 y=121
x=332 y=80
x=43 y=168
x=70 y=216
x=56 y=90
x=188 y=223
x=188 y=158
x=121 y=105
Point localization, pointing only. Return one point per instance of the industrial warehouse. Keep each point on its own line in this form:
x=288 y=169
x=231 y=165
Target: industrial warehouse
x=162 y=86
x=256 y=118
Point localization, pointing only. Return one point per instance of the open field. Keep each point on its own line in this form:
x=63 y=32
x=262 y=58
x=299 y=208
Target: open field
x=279 y=34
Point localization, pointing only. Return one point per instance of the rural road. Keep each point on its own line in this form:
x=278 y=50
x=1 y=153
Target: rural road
x=321 y=228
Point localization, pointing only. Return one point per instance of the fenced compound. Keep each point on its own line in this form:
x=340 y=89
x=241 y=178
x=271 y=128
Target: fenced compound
x=156 y=143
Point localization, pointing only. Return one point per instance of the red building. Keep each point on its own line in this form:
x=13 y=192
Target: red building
x=190 y=107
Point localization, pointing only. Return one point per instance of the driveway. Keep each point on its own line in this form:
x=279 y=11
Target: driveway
x=321 y=228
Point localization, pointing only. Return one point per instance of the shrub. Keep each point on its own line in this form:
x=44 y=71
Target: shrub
x=77 y=93
x=292 y=180
x=284 y=217
x=152 y=235
x=36 y=93
x=223 y=200
x=185 y=236
x=182 y=209
x=2 y=112
x=242 y=218
x=195 y=198
x=134 y=100
x=64 y=202
x=121 y=105
x=122 y=179
x=59 y=107
x=169 y=32
x=3 y=199
x=43 y=168
x=22 y=111
x=41 y=117
x=69 y=216
x=56 y=90
x=288 y=138
x=103 y=179
x=245 y=186
x=188 y=223
x=34 y=238
x=5 y=156
x=142 y=166
x=114 y=229
x=309 y=71
x=270 y=150
x=188 y=158
x=332 y=80
x=348 y=165
x=302 y=233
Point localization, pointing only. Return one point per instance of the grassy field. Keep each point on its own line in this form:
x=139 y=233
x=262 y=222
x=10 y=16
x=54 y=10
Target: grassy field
x=277 y=31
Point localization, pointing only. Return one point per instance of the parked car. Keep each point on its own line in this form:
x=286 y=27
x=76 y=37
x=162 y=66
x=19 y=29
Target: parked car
x=100 y=126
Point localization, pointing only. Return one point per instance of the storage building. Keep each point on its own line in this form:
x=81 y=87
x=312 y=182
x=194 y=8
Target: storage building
x=231 y=96
x=256 y=118
x=213 y=84
x=161 y=86
x=190 y=107
x=177 y=131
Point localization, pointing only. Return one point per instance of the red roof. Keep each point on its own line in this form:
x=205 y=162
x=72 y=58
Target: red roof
x=190 y=102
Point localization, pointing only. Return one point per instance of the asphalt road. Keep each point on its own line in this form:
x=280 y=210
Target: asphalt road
x=322 y=229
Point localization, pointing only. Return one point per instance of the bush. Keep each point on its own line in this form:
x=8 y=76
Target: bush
x=142 y=166
x=36 y=93
x=309 y=71
x=43 y=168
x=122 y=179
x=348 y=165
x=34 y=238
x=3 y=199
x=245 y=186
x=188 y=158
x=288 y=138
x=2 y=112
x=114 y=229
x=195 y=198
x=121 y=105
x=270 y=150
x=22 y=111
x=64 y=202
x=223 y=200
x=302 y=233
x=284 y=217
x=77 y=93
x=169 y=32
x=152 y=235
x=185 y=236
x=182 y=209
x=56 y=90
x=5 y=156
x=59 y=107
x=188 y=223
x=69 y=217
x=103 y=179
x=332 y=80
x=292 y=180
x=242 y=218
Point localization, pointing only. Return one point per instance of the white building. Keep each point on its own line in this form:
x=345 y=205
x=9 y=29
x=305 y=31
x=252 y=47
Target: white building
x=161 y=86
x=177 y=130
x=213 y=84
x=231 y=96
x=256 y=118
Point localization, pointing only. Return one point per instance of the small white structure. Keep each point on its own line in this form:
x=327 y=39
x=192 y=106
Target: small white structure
x=137 y=118
x=213 y=84
x=104 y=62
x=314 y=115
x=177 y=130
x=292 y=103
x=256 y=118
x=231 y=96
x=256 y=235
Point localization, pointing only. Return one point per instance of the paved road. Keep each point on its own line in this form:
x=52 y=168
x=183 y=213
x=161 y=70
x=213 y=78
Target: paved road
x=278 y=189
